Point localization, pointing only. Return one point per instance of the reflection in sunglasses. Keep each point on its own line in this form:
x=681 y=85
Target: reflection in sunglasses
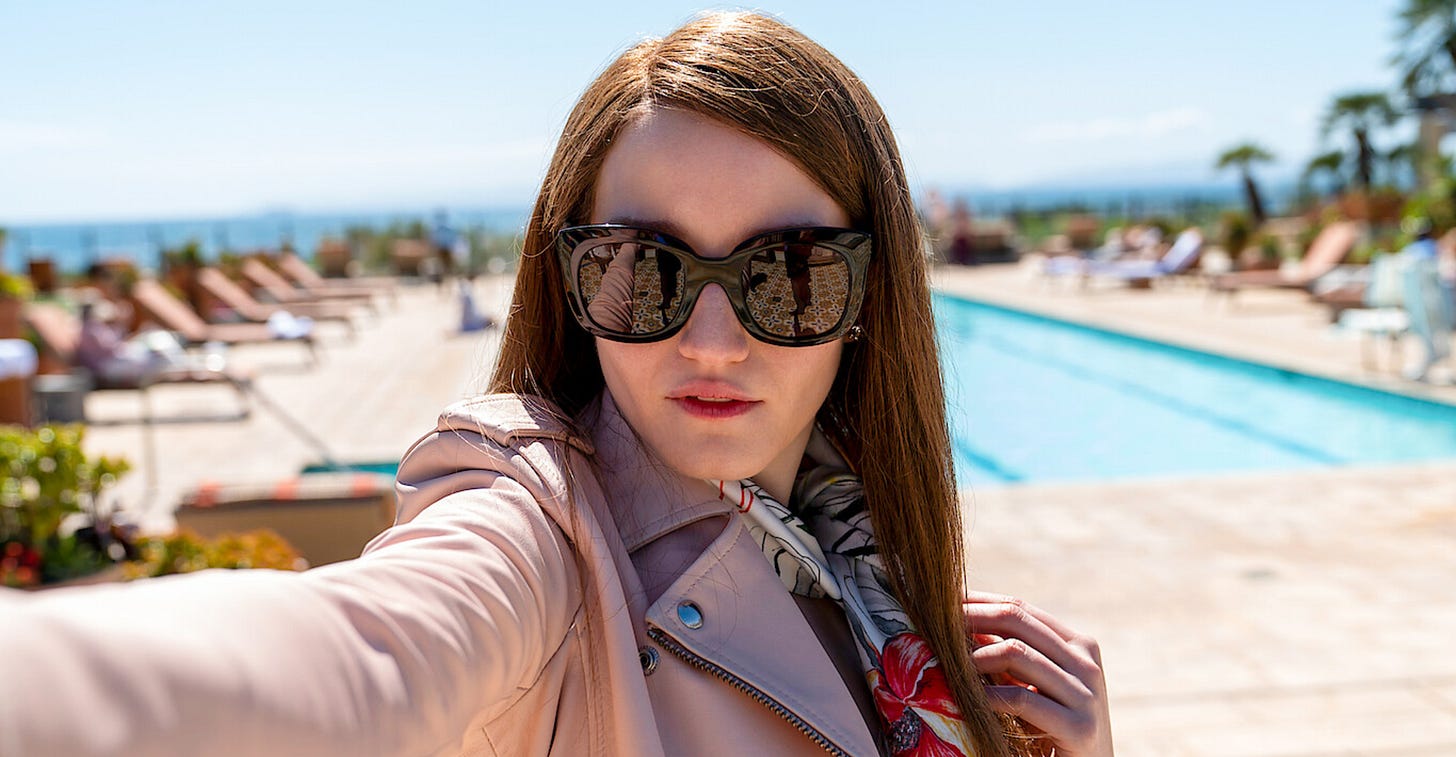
x=792 y=288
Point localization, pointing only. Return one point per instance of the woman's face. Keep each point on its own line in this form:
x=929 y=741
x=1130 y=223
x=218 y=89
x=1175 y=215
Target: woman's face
x=712 y=401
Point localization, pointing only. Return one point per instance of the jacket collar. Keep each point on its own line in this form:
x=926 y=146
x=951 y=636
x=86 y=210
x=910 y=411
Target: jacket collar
x=647 y=498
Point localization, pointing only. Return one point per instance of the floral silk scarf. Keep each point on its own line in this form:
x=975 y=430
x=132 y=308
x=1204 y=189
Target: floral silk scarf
x=825 y=547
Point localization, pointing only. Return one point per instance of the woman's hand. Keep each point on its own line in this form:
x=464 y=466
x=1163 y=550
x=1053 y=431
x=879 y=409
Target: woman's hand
x=1044 y=673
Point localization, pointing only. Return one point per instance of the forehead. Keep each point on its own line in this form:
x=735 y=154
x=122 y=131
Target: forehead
x=706 y=183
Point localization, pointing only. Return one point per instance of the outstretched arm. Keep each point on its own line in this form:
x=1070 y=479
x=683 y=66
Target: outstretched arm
x=450 y=613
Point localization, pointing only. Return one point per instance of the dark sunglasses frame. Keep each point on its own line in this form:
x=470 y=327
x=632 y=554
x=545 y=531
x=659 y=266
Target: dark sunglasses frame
x=573 y=243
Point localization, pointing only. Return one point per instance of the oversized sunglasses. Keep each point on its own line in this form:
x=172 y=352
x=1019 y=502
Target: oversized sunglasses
x=793 y=287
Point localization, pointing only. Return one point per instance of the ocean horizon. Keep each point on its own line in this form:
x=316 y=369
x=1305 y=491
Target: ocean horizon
x=73 y=245
x=76 y=244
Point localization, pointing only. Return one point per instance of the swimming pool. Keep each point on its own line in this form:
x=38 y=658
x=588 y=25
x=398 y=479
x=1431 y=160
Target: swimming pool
x=1033 y=398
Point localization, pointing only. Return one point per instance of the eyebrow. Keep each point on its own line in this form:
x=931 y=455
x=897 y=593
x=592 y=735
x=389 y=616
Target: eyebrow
x=654 y=224
x=674 y=230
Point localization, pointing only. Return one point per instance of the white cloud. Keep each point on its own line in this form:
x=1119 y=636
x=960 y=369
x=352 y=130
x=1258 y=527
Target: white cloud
x=1149 y=126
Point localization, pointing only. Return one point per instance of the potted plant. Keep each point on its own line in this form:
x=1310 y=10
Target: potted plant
x=14 y=291
x=333 y=257
x=53 y=527
x=54 y=531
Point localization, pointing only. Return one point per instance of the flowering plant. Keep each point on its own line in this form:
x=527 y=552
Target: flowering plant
x=15 y=286
x=184 y=552
x=52 y=526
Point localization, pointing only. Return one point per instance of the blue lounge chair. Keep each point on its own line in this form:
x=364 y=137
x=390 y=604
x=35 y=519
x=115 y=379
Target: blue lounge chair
x=1177 y=260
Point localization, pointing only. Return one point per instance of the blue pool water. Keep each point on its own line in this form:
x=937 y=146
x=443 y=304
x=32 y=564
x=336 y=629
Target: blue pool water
x=1037 y=399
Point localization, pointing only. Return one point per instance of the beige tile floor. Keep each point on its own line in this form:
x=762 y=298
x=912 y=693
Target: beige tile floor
x=1295 y=614
x=1308 y=613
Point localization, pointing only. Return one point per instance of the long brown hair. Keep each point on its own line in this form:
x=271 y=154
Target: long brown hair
x=886 y=408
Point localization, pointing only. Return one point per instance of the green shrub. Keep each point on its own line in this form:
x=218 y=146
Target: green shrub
x=45 y=480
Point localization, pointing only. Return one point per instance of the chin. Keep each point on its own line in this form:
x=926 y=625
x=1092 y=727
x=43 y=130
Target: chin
x=711 y=461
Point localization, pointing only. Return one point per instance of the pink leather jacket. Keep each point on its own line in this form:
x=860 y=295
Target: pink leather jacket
x=540 y=593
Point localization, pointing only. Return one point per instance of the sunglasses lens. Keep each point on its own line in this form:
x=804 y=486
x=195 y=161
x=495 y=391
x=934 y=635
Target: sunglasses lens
x=797 y=289
x=630 y=287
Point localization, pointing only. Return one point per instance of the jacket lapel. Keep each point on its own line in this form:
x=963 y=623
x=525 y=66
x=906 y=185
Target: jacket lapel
x=730 y=609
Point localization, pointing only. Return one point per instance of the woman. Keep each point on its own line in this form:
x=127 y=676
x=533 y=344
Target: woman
x=598 y=558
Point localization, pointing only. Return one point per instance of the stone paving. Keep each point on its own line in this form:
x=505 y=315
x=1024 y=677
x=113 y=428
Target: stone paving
x=1309 y=613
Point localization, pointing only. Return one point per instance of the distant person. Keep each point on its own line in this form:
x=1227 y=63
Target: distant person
x=443 y=238
x=112 y=359
x=100 y=283
x=471 y=318
x=962 y=234
x=1423 y=246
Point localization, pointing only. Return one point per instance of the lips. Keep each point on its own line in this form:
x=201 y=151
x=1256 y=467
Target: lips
x=712 y=400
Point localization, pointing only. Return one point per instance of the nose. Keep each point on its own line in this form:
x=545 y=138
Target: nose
x=713 y=334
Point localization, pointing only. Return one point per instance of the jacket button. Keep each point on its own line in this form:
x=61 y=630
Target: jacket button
x=690 y=615
x=648 y=657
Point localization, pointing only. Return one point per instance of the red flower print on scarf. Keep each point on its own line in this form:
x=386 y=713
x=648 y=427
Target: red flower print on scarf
x=915 y=701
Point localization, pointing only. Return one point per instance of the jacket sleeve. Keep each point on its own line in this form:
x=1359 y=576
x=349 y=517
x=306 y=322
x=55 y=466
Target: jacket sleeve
x=450 y=612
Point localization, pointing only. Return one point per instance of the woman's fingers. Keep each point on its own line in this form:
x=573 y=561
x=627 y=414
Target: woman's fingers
x=1013 y=620
x=1044 y=673
x=1027 y=665
x=985 y=597
x=1074 y=732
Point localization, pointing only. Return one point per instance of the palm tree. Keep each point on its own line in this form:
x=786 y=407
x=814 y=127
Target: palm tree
x=1402 y=163
x=1361 y=113
x=1330 y=164
x=1428 y=36
x=1243 y=157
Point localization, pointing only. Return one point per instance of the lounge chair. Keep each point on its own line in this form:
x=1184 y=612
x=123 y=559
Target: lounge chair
x=1179 y=258
x=1405 y=297
x=303 y=275
x=1326 y=252
x=286 y=294
x=175 y=315
x=1343 y=288
x=229 y=293
x=59 y=335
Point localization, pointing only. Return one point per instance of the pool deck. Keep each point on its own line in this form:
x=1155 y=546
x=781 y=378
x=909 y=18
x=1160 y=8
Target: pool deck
x=1307 y=613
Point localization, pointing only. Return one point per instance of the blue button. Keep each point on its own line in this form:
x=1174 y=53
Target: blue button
x=690 y=615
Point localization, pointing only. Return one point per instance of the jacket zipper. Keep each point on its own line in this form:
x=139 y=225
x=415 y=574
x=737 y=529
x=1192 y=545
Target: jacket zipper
x=752 y=691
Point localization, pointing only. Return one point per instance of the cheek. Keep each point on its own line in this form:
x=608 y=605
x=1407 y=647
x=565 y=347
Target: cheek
x=631 y=372
x=812 y=370
x=619 y=366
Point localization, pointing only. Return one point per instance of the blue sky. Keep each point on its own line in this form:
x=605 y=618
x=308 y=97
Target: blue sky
x=171 y=109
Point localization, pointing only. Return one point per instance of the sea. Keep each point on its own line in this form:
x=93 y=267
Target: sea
x=74 y=245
